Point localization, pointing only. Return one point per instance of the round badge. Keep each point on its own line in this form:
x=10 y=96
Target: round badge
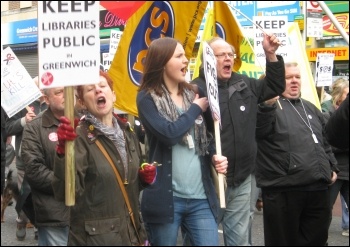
x=242 y=108
x=199 y=120
x=137 y=122
x=310 y=117
x=47 y=78
x=91 y=127
x=53 y=137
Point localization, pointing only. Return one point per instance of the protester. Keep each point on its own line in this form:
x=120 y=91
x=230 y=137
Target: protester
x=14 y=127
x=100 y=215
x=239 y=96
x=171 y=112
x=38 y=152
x=295 y=166
x=337 y=128
x=3 y=151
x=340 y=90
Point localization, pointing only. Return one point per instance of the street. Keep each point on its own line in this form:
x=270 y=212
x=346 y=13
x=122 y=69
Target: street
x=8 y=228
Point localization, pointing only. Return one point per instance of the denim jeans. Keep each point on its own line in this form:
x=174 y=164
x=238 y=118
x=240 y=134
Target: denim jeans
x=53 y=235
x=340 y=186
x=196 y=221
x=255 y=191
x=345 y=214
x=237 y=213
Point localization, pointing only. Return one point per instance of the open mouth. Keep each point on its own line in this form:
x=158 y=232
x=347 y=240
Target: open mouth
x=101 y=101
x=184 y=70
x=227 y=68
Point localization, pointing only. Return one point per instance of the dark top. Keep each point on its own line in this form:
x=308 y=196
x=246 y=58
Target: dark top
x=337 y=128
x=288 y=157
x=238 y=101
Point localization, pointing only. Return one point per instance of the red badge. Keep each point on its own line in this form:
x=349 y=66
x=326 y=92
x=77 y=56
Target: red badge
x=53 y=137
x=47 y=78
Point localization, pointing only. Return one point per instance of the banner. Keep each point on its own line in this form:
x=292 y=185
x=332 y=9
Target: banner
x=308 y=88
x=154 y=19
x=297 y=54
x=208 y=33
x=226 y=27
x=122 y=9
x=248 y=66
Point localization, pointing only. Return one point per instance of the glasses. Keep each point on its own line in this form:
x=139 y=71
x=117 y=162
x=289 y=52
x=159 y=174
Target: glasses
x=223 y=55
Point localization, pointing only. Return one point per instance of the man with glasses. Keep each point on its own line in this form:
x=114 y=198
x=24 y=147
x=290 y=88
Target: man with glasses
x=239 y=96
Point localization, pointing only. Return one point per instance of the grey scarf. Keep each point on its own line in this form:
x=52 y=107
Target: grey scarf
x=169 y=111
x=115 y=134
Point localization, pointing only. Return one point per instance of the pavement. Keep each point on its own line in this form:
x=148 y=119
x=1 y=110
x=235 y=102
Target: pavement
x=8 y=228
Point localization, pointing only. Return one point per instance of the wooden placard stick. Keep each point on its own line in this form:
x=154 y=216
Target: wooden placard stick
x=69 y=149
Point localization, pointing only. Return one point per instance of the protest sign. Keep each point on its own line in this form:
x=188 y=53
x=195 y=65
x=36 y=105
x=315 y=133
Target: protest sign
x=324 y=69
x=277 y=25
x=17 y=87
x=209 y=64
x=68 y=43
x=209 y=61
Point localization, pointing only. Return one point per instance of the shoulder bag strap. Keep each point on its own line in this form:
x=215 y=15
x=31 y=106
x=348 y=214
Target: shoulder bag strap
x=121 y=185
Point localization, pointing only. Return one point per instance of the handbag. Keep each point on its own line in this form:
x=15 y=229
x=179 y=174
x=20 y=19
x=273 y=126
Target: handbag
x=122 y=188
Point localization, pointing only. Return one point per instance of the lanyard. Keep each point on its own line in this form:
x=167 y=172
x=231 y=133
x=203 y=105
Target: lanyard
x=308 y=122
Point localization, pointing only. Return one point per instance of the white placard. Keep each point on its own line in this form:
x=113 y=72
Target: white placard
x=17 y=87
x=114 y=42
x=68 y=43
x=314 y=24
x=106 y=61
x=324 y=69
x=277 y=25
x=210 y=72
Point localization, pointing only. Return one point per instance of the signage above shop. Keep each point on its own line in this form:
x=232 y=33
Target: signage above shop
x=340 y=53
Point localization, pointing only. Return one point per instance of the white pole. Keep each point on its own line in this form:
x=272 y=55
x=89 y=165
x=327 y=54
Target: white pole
x=334 y=20
x=305 y=22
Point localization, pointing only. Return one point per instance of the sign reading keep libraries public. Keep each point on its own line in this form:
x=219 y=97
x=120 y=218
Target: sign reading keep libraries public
x=68 y=43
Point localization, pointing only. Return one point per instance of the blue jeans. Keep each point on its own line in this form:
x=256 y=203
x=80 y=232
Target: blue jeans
x=255 y=191
x=345 y=214
x=237 y=213
x=53 y=235
x=196 y=220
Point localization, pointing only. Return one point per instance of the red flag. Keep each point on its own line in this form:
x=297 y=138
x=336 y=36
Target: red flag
x=122 y=9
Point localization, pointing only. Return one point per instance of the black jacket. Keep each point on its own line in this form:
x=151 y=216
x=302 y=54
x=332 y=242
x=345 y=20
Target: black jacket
x=238 y=101
x=337 y=128
x=288 y=157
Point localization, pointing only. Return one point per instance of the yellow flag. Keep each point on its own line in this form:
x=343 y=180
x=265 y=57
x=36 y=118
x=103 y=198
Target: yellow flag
x=308 y=88
x=207 y=34
x=248 y=66
x=226 y=27
x=154 y=19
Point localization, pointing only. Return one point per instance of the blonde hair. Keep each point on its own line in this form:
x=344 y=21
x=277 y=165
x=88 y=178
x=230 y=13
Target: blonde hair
x=338 y=88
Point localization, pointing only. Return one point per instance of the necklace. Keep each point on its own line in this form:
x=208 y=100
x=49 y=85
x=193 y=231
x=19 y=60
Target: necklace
x=308 y=122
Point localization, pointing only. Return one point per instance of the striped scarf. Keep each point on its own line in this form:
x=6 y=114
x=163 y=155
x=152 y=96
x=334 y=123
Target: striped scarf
x=169 y=111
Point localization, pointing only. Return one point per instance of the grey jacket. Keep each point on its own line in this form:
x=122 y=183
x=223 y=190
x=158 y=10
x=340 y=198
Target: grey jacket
x=38 y=151
x=14 y=127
